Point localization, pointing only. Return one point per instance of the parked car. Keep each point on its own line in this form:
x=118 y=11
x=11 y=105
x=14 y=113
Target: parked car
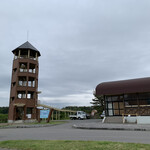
x=88 y=116
x=78 y=115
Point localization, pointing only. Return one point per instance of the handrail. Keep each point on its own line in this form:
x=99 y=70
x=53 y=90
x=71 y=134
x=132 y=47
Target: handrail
x=57 y=109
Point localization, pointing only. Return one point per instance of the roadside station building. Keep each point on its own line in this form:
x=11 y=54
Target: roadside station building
x=24 y=83
x=130 y=97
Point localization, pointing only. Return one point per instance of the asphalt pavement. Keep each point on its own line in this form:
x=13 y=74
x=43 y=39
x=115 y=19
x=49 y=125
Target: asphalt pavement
x=67 y=132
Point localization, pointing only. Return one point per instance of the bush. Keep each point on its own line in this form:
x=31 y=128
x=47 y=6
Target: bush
x=3 y=118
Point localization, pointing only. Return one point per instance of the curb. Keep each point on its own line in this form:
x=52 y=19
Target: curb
x=28 y=126
x=103 y=128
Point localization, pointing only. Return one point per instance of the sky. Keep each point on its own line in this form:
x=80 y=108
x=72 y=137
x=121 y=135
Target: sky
x=82 y=43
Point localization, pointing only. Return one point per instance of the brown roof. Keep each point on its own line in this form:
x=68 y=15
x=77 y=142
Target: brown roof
x=124 y=86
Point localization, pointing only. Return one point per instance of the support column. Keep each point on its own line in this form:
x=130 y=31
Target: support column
x=24 y=117
x=56 y=115
x=36 y=56
x=138 y=105
x=14 y=116
x=123 y=105
x=49 y=116
x=59 y=115
x=52 y=115
x=19 y=54
x=39 y=119
x=28 y=53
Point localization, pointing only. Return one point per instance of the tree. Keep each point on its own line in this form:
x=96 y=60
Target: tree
x=86 y=109
x=4 y=110
x=98 y=103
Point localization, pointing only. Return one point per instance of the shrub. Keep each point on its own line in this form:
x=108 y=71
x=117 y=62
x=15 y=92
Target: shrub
x=3 y=118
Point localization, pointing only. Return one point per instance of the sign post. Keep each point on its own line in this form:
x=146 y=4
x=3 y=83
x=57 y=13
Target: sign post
x=44 y=113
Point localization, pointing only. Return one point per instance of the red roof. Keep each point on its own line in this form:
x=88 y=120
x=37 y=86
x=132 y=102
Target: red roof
x=125 y=86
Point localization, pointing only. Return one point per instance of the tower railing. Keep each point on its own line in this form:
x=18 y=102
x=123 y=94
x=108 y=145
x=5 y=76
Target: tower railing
x=25 y=56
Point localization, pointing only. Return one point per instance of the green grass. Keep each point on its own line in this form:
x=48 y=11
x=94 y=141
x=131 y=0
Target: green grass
x=71 y=145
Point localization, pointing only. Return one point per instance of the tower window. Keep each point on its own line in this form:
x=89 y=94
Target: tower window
x=29 y=110
x=23 y=53
x=22 y=81
x=31 y=82
x=21 y=94
x=23 y=67
x=32 y=68
x=30 y=95
x=32 y=55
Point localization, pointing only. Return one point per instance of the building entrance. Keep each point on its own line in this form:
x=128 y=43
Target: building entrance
x=19 y=113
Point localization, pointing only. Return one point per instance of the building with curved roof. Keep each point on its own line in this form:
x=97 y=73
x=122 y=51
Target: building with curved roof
x=126 y=97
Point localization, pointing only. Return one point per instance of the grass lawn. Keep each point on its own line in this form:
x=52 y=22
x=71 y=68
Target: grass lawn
x=71 y=145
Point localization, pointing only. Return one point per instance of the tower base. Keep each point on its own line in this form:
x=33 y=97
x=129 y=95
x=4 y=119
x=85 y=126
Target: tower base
x=22 y=121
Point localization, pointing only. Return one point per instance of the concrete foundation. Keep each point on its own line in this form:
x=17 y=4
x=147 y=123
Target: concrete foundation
x=22 y=121
x=130 y=119
x=138 y=119
x=127 y=119
x=143 y=120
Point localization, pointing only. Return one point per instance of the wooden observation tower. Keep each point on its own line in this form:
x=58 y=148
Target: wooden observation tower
x=24 y=84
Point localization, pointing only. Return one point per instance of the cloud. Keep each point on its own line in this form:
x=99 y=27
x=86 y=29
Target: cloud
x=68 y=100
x=82 y=43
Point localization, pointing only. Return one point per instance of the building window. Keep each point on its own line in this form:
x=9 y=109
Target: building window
x=29 y=110
x=31 y=82
x=24 y=53
x=144 y=98
x=131 y=100
x=114 y=105
x=22 y=81
x=23 y=67
x=32 y=68
x=21 y=94
x=33 y=55
x=30 y=95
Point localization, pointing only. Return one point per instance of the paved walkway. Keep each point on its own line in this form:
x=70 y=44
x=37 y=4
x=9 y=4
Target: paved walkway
x=98 y=125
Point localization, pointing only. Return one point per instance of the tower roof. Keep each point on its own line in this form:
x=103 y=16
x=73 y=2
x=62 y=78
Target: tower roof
x=27 y=45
